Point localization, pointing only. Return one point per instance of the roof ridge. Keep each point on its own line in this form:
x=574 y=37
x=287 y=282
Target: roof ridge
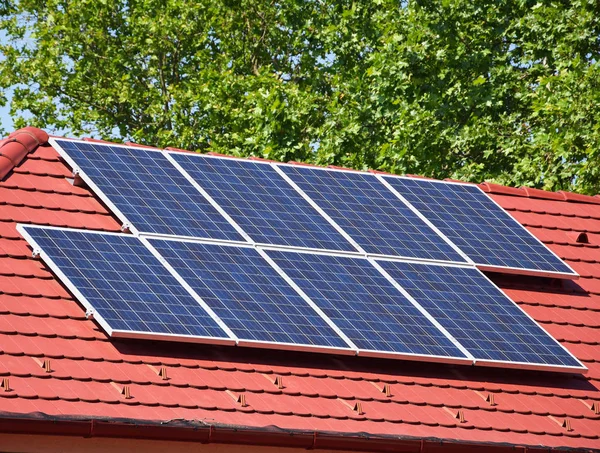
x=17 y=145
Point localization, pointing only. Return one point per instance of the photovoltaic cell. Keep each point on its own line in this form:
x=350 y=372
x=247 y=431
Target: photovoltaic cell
x=478 y=226
x=242 y=288
x=125 y=284
x=475 y=312
x=262 y=202
x=149 y=190
x=371 y=214
x=364 y=304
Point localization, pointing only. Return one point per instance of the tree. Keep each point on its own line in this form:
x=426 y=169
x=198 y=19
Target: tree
x=507 y=91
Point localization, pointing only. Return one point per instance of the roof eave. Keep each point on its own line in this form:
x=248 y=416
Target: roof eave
x=201 y=432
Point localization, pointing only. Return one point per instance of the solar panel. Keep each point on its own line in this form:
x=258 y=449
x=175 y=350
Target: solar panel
x=364 y=304
x=265 y=206
x=147 y=189
x=242 y=288
x=371 y=214
x=479 y=315
x=478 y=226
x=126 y=285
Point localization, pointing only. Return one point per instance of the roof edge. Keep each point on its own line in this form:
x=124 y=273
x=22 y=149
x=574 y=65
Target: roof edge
x=17 y=145
x=270 y=436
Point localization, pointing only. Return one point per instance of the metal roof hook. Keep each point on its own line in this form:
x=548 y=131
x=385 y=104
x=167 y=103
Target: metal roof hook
x=89 y=313
x=77 y=179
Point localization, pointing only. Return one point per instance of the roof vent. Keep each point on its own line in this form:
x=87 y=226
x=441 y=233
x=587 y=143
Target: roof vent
x=241 y=398
x=45 y=364
x=358 y=408
x=491 y=399
x=579 y=237
x=460 y=416
x=5 y=385
x=596 y=407
x=126 y=392
x=387 y=390
x=567 y=424
x=278 y=382
x=163 y=373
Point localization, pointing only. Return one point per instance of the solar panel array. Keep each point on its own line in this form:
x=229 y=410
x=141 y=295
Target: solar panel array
x=307 y=258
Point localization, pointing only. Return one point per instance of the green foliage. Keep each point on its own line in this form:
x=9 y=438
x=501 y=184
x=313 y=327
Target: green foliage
x=507 y=91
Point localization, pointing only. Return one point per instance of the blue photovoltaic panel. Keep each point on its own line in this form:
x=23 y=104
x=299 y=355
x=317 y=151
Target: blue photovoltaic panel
x=364 y=304
x=371 y=214
x=477 y=225
x=153 y=195
x=262 y=202
x=475 y=312
x=249 y=296
x=125 y=284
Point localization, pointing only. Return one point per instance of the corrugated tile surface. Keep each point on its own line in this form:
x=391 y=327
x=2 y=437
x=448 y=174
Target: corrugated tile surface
x=61 y=364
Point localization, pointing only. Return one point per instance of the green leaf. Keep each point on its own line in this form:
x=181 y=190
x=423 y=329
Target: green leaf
x=479 y=80
x=490 y=90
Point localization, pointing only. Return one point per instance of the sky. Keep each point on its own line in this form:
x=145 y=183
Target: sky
x=6 y=122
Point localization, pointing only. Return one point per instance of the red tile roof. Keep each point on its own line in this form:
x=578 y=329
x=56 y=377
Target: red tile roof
x=59 y=371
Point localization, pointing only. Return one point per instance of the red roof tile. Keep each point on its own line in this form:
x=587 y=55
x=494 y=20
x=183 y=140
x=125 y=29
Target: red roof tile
x=40 y=321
